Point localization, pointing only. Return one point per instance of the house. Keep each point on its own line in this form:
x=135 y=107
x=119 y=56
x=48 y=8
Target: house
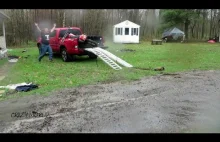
x=126 y=32
x=3 y=48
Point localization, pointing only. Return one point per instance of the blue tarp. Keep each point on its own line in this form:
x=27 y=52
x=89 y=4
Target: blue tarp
x=174 y=32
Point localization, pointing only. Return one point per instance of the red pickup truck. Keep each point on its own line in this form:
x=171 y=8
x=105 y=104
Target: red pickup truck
x=66 y=41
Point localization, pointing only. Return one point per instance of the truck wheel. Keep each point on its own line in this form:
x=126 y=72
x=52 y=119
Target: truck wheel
x=73 y=57
x=92 y=56
x=65 y=55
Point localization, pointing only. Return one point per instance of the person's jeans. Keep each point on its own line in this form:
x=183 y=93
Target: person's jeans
x=44 y=49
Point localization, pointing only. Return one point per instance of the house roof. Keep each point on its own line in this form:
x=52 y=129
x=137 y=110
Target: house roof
x=127 y=23
x=3 y=16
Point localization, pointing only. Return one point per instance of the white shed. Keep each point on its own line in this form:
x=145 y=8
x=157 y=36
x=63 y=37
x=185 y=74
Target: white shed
x=3 y=48
x=126 y=32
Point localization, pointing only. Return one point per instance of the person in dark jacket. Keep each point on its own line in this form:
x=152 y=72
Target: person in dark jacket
x=45 y=46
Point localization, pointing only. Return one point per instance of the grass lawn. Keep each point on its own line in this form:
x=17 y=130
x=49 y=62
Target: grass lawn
x=174 y=57
x=2 y=62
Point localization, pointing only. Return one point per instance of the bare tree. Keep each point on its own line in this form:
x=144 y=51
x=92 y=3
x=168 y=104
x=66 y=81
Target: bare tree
x=20 y=27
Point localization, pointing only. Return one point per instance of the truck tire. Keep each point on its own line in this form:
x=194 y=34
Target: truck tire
x=92 y=56
x=65 y=56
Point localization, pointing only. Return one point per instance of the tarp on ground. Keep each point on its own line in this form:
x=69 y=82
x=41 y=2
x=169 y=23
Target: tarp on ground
x=174 y=32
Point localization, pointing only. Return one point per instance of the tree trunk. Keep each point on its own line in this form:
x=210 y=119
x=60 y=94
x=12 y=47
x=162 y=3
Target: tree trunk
x=51 y=15
x=186 y=25
x=192 y=30
x=210 y=29
x=64 y=19
x=203 y=23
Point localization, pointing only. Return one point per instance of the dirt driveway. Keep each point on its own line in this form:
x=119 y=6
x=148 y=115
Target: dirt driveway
x=186 y=102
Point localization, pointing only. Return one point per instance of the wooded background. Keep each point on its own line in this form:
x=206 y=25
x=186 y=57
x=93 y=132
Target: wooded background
x=197 y=24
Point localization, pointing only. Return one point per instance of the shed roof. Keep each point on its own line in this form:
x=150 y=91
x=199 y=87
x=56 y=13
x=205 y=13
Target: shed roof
x=127 y=23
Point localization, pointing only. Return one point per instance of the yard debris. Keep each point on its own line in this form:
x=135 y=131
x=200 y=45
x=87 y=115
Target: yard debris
x=13 y=86
x=2 y=92
x=21 y=87
x=211 y=41
x=159 y=69
x=156 y=69
x=13 y=57
x=142 y=68
x=25 y=56
x=13 y=60
x=127 y=50
x=24 y=51
x=176 y=75
x=170 y=74
x=25 y=88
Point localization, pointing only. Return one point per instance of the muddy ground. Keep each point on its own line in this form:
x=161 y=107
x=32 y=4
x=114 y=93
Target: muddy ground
x=186 y=102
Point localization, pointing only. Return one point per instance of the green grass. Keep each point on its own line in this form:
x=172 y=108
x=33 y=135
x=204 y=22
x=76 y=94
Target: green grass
x=175 y=57
x=2 y=61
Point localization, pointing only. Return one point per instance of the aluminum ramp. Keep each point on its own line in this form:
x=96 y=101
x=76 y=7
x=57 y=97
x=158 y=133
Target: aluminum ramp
x=114 y=58
x=105 y=58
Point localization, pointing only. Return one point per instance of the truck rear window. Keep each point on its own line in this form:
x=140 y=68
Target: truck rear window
x=73 y=31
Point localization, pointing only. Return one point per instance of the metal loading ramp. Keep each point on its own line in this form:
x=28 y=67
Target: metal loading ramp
x=109 y=58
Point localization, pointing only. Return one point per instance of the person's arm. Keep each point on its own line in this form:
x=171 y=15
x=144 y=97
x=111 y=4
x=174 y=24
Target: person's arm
x=37 y=27
x=54 y=26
